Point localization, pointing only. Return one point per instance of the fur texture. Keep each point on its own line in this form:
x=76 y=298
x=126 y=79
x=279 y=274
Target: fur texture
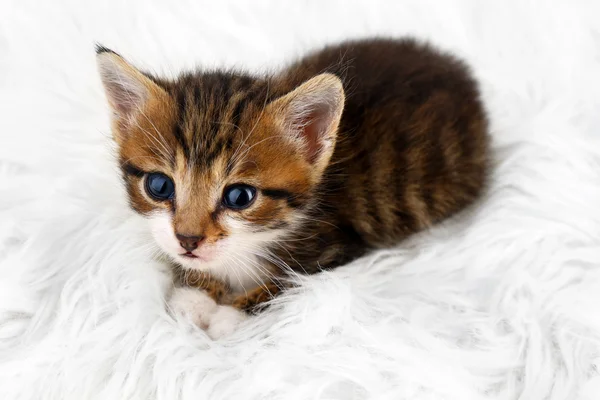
x=500 y=303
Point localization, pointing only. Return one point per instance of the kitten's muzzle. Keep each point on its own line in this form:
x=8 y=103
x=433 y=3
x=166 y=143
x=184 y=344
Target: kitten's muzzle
x=189 y=243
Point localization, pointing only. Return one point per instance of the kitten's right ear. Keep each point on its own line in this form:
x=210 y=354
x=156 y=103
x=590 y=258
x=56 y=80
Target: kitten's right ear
x=309 y=117
x=127 y=89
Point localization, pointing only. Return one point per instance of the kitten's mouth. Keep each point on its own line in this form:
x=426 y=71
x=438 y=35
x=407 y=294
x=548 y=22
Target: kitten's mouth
x=189 y=255
x=202 y=255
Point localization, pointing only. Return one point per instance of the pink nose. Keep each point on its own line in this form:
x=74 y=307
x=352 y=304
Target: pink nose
x=189 y=243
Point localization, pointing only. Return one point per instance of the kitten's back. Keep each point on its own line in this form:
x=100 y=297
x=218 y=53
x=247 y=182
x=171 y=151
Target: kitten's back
x=412 y=146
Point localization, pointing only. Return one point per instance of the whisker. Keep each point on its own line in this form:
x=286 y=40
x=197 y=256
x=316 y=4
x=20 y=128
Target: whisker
x=241 y=264
x=234 y=269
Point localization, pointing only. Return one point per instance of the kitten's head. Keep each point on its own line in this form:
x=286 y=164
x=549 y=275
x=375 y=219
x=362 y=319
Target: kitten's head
x=221 y=164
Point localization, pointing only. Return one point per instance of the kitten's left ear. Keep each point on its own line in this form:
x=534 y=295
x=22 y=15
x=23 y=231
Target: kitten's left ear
x=127 y=89
x=310 y=116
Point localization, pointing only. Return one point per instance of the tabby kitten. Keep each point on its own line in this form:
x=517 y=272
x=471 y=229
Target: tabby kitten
x=247 y=178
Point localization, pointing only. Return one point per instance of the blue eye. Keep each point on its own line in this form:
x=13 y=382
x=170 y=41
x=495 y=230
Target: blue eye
x=238 y=197
x=159 y=186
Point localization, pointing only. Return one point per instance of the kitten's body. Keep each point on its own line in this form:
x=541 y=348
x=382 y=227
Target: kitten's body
x=411 y=148
x=341 y=165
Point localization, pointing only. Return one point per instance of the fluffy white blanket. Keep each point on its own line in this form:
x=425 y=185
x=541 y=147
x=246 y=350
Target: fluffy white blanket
x=501 y=303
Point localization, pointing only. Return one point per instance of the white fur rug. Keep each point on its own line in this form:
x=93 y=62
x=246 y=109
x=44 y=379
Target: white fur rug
x=502 y=303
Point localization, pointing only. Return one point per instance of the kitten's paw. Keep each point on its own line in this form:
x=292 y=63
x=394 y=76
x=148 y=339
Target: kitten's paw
x=193 y=304
x=224 y=321
x=197 y=306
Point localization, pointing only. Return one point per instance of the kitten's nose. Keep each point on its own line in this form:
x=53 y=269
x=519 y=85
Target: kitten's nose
x=189 y=243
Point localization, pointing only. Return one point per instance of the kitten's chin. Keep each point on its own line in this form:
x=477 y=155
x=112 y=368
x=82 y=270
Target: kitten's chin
x=239 y=277
x=197 y=262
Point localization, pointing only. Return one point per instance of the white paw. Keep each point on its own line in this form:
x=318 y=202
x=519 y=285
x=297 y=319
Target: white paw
x=224 y=321
x=196 y=306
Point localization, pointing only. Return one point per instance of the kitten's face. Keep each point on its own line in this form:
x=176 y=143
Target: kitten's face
x=220 y=169
x=233 y=197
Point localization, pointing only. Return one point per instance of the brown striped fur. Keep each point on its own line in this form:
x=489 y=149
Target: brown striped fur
x=410 y=150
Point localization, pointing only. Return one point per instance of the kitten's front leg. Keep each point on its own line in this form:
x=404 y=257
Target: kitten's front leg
x=199 y=301
x=215 y=288
x=199 y=307
x=209 y=303
x=256 y=298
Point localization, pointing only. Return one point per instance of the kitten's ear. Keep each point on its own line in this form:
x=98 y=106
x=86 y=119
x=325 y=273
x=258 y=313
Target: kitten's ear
x=310 y=115
x=127 y=89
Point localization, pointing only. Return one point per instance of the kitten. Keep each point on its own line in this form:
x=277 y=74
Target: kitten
x=247 y=178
